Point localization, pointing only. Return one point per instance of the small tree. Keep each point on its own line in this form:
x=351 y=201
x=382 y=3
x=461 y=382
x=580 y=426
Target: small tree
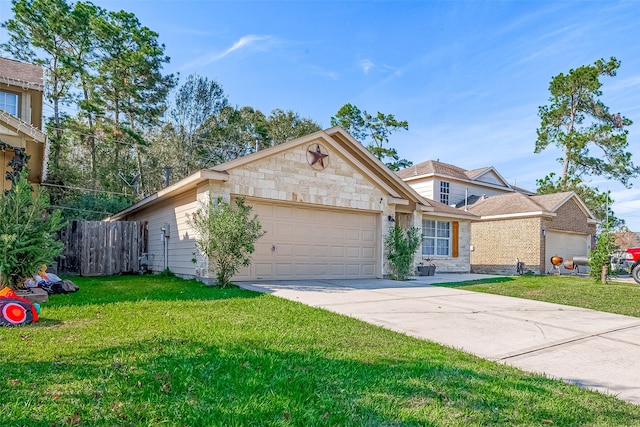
x=27 y=233
x=401 y=247
x=227 y=236
x=599 y=257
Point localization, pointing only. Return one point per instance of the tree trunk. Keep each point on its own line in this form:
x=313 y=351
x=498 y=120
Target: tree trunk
x=603 y=276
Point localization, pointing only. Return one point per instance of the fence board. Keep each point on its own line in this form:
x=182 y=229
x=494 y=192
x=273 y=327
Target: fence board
x=96 y=248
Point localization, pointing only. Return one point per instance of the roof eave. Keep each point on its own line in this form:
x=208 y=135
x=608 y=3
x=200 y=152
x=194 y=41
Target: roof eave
x=181 y=186
x=518 y=215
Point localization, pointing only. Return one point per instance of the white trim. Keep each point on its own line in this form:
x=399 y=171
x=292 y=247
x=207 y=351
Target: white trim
x=490 y=169
x=519 y=215
x=183 y=185
x=451 y=215
x=22 y=127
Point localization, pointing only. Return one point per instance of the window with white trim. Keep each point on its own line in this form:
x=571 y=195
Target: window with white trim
x=444 y=192
x=9 y=103
x=436 y=238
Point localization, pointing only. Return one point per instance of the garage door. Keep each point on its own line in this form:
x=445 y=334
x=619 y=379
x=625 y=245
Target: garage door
x=309 y=243
x=566 y=245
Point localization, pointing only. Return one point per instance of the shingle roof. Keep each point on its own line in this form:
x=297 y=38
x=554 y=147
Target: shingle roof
x=17 y=73
x=505 y=204
x=432 y=166
x=446 y=209
x=436 y=167
x=550 y=202
x=518 y=203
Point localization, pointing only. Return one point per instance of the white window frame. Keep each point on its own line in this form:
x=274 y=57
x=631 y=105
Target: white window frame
x=445 y=190
x=3 y=102
x=437 y=238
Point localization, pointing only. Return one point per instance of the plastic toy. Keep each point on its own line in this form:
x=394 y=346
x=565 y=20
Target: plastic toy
x=15 y=310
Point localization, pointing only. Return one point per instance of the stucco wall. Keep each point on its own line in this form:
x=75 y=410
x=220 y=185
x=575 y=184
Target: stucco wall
x=497 y=244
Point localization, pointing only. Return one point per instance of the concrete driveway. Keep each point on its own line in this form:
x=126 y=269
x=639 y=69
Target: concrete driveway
x=597 y=350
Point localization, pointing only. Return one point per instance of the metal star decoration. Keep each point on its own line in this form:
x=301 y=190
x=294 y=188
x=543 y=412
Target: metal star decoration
x=318 y=157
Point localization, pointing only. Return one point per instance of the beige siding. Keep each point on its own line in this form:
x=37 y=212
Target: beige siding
x=182 y=238
x=491 y=178
x=425 y=188
x=430 y=188
x=458 y=191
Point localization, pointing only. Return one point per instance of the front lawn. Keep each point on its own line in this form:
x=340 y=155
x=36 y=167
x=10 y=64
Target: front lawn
x=162 y=351
x=613 y=297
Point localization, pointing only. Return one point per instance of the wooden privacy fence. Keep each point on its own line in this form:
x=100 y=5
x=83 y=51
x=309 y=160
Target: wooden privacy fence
x=96 y=248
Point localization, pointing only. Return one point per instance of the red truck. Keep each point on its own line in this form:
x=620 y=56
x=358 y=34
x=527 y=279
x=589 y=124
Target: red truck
x=632 y=258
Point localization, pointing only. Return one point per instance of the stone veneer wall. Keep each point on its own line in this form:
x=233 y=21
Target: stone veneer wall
x=449 y=264
x=287 y=177
x=497 y=244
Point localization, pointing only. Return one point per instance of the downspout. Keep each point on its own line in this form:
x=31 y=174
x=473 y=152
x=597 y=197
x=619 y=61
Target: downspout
x=165 y=240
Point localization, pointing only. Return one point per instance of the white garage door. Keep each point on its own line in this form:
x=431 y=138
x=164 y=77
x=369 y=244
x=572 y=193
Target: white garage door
x=566 y=245
x=309 y=243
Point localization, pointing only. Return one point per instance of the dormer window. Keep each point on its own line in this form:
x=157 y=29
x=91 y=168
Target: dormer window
x=444 y=192
x=9 y=103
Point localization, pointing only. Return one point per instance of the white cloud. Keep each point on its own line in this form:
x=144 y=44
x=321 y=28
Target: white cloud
x=366 y=65
x=245 y=42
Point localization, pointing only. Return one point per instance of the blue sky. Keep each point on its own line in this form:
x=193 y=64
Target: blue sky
x=468 y=76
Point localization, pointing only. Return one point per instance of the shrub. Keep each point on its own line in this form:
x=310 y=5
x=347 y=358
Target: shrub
x=599 y=258
x=27 y=233
x=401 y=247
x=227 y=236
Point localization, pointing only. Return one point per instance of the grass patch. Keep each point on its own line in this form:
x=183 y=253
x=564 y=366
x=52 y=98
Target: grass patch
x=163 y=351
x=613 y=297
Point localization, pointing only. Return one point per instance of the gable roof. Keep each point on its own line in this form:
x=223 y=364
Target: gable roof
x=16 y=73
x=518 y=204
x=400 y=193
x=432 y=168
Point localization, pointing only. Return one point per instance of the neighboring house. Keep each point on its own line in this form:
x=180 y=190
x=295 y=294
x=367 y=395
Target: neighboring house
x=530 y=228
x=326 y=204
x=21 y=91
x=513 y=222
x=456 y=186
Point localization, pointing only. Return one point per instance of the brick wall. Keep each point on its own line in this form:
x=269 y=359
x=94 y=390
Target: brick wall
x=497 y=244
x=569 y=218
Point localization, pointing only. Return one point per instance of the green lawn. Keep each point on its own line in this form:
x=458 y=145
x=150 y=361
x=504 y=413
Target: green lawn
x=162 y=351
x=613 y=297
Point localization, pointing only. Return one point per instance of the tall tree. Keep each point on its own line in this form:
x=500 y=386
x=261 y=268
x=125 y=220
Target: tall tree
x=375 y=130
x=232 y=133
x=39 y=32
x=598 y=202
x=198 y=99
x=577 y=120
x=132 y=84
x=287 y=125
